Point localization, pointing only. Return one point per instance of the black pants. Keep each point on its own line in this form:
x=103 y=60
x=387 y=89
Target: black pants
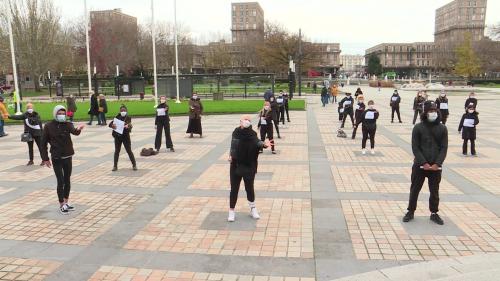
x=417 y=113
x=267 y=131
x=62 y=169
x=276 y=122
x=396 y=109
x=101 y=118
x=418 y=176
x=235 y=177
x=472 y=146
x=444 y=118
x=168 y=138
x=287 y=114
x=368 y=133
x=92 y=119
x=282 y=114
x=334 y=99
x=37 y=140
x=125 y=140
x=346 y=113
x=354 y=131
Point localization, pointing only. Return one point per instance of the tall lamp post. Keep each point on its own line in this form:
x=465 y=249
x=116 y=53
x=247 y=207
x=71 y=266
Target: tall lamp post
x=299 y=66
x=153 y=35
x=13 y=55
x=88 y=46
x=176 y=53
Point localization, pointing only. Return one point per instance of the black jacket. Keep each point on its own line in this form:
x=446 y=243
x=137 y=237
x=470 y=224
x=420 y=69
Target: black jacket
x=347 y=106
x=429 y=142
x=395 y=101
x=439 y=101
x=245 y=146
x=162 y=119
x=369 y=123
x=418 y=103
x=324 y=92
x=469 y=133
x=470 y=101
x=58 y=135
x=359 y=111
x=126 y=132
x=267 y=115
x=274 y=107
x=33 y=119
x=94 y=105
x=104 y=105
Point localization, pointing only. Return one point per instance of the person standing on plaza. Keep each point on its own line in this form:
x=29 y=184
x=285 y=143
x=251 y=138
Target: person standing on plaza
x=71 y=107
x=467 y=126
x=268 y=94
x=369 y=127
x=103 y=109
x=94 y=109
x=471 y=100
x=335 y=93
x=357 y=93
x=121 y=134
x=315 y=87
x=58 y=133
x=162 y=123
x=32 y=130
x=429 y=144
x=4 y=114
x=347 y=104
x=442 y=104
x=266 y=125
x=324 y=96
x=394 y=103
x=418 y=103
x=244 y=153
x=195 y=112
x=275 y=110
x=286 y=101
x=281 y=106
x=360 y=108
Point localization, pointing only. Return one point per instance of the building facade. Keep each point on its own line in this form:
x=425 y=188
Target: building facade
x=247 y=22
x=352 y=63
x=328 y=57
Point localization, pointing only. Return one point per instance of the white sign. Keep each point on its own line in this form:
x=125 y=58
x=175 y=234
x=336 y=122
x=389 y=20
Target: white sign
x=263 y=121
x=370 y=115
x=279 y=100
x=120 y=126
x=469 y=123
x=160 y=111
x=394 y=98
x=125 y=88
x=443 y=105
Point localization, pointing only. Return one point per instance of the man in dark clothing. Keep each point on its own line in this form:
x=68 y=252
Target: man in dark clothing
x=32 y=126
x=286 y=100
x=162 y=123
x=275 y=111
x=418 y=106
x=347 y=103
x=94 y=109
x=281 y=105
x=472 y=100
x=324 y=96
x=369 y=127
x=360 y=108
x=58 y=133
x=442 y=105
x=123 y=138
x=430 y=145
x=268 y=94
x=467 y=126
x=245 y=147
x=395 y=101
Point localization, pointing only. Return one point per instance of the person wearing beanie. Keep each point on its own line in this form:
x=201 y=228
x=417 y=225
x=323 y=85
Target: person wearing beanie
x=347 y=104
x=244 y=153
x=162 y=123
x=467 y=126
x=471 y=100
x=122 y=137
x=429 y=144
x=395 y=101
x=3 y=115
x=369 y=127
x=58 y=133
x=360 y=108
x=442 y=104
x=266 y=125
x=418 y=103
x=32 y=126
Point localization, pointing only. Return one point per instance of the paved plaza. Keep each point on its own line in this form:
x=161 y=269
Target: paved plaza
x=327 y=211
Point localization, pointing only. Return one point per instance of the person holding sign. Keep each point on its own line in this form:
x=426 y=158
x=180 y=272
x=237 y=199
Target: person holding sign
x=360 y=108
x=195 y=112
x=275 y=112
x=266 y=125
x=347 y=104
x=395 y=101
x=122 y=126
x=281 y=107
x=442 y=104
x=58 y=133
x=162 y=123
x=369 y=127
x=468 y=127
x=471 y=100
x=286 y=101
x=429 y=143
x=32 y=130
x=418 y=103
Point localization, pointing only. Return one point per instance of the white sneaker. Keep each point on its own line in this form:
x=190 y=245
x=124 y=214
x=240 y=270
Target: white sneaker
x=64 y=209
x=231 y=216
x=254 y=213
x=372 y=151
x=363 y=151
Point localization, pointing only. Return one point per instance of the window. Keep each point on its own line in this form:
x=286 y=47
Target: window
x=254 y=26
x=254 y=13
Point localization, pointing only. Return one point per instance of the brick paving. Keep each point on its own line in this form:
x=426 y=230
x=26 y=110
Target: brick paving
x=14 y=269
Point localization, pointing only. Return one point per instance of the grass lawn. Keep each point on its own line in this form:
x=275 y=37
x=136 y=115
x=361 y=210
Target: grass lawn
x=146 y=108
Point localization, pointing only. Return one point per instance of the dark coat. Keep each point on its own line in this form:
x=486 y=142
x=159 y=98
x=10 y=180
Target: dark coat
x=274 y=108
x=267 y=115
x=359 y=111
x=268 y=94
x=94 y=105
x=469 y=133
x=71 y=104
x=58 y=135
x=195 y=108
x=348 y=106
x=470 y=101
x=245 y=146
x=33 y=119
x=162 y=119
x=395 y=101
x=104 y=105
x=126 y=131
x=439 y=101
x=370 y=124
x=429 y=142
x=418 y=103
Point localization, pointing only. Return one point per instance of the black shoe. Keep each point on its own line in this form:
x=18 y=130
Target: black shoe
x=279 y=137
x=288 y=120
x=70 y=207
x=30 y=163
x=157 y=150
x=172 y=149
x=408 y=217
x=392 y=121
x=400 y=121
x=134 y=168
x=114 y=169
x=437 y=219
x=64 y=209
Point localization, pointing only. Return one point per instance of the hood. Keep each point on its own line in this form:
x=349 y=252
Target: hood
x=56 y=109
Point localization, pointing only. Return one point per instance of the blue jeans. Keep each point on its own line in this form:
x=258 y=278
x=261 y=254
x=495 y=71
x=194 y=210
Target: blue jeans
x=2 y=132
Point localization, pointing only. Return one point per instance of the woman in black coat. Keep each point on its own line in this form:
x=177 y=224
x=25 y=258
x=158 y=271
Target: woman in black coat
x=123 y=138
x=94 y=109
x=472 y=100
x=275 y=109
x=33 y=126
x=468 y=125
x=442 y=105
x=360 y=108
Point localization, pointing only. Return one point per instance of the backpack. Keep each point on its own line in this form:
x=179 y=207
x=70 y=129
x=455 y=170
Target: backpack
x=341 y=133
x=148 y=152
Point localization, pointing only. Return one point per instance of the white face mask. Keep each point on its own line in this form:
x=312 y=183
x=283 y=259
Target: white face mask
x=123 y=113
x=30 y=110
x=371 y=106
x=195 y=97
x=245 y=123
x=361 y=101
x=61 y=118
x=443 y=95
x=471 y=110
x=432 y=116
x=266 y=107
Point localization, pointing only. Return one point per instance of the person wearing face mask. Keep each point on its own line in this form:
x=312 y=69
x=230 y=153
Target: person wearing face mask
x=266 y=125
x=467 y=126
x=4 y=114
x=347 y=104
x=195 y=112
x=281 y=107
x=395 y=101
x=471 y=100
x=244 y=153
x=360 y=108
x=369 y=127
x=275 y=111
x=442 y=104
x=429 y=145
x=58 y=133
x=285 y=103
x=123 y=138
x=162 y=123
x=418 y=106
x=324 y=96
x=33 y=127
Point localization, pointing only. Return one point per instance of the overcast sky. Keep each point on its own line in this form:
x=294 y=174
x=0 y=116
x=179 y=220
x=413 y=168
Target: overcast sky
x=355 y=24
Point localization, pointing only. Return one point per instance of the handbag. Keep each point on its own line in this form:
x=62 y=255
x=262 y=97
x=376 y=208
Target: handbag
x=26 y=137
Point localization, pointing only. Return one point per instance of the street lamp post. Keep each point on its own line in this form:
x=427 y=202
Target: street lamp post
x=13 y=56
x=176 y=53
x=88 y=46
x=153 y=35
